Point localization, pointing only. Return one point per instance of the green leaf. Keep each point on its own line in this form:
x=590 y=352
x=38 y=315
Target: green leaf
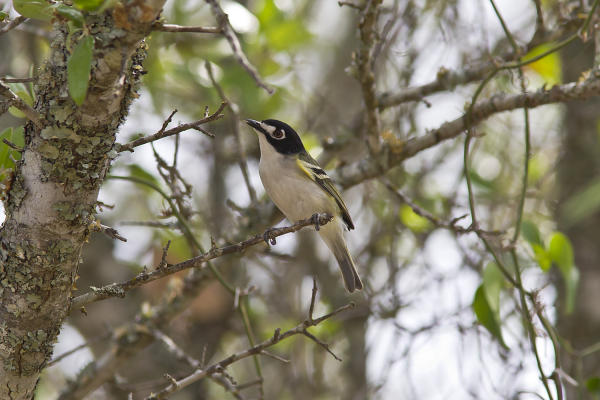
x=139 y=172
x=36 y=9
x=78 y=69
x=561 y=252
x=582 y=204
x=412 y=220
x=3 y=16
x=88 y=5
x=549 y=67
x=70 y=13
x=486 y=315
x=542 y=257
x=531 y=233
x=493 y=280
x=593 y=385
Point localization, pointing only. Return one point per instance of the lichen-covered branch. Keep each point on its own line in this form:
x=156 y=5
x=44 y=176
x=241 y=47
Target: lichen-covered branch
x=120 y=289
x=12 y=24
x=14 y=100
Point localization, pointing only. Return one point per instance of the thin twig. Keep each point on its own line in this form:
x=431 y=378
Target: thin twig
x=173 y=131
x=13 y=24
x=17 y=80
x=119 y=289
x=17 y=102
x=235 y=45
x=177 y=28
x=300 y=329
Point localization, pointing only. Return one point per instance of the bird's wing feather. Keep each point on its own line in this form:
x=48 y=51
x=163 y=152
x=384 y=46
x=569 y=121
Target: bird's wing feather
x=314 y=171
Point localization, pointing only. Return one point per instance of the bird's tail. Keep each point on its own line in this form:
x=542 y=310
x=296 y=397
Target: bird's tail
x=333 y=237
x=348 y=269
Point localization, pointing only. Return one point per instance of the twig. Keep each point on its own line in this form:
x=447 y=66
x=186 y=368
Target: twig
x=300 y=329
x=173 y=131
x=13 y=24
x=18 y=80
x=177 y=28
x=12 y=145
x=16 y=101
x=351 y=5
x=119 y=289
x=234 y=43
x=238 y=135
x=108 y=231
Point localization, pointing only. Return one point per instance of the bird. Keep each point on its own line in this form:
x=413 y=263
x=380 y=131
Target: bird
x=300 y=188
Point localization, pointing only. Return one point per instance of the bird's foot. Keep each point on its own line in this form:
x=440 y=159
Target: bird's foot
x=315 y=221
x=269 y=238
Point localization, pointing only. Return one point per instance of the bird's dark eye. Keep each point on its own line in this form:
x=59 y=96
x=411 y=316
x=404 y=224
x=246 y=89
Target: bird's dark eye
x=278 y=134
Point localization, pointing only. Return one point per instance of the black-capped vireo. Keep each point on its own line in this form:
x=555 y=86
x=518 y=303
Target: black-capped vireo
x=300 y=188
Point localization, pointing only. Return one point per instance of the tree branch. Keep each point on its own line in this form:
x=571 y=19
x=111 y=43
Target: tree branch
x=158 y=26
x=162 y=133
x=16 y=101
x=366 y=76
x=371 y=168
x=235 y=45
x=300 y=329
x=120 y=289
x=13 y=24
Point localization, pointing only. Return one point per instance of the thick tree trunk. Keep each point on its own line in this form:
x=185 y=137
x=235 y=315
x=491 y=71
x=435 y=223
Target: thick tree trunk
x=51 y=202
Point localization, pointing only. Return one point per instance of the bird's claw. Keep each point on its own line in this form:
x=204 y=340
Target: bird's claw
x=316 y=222
x=269 y=238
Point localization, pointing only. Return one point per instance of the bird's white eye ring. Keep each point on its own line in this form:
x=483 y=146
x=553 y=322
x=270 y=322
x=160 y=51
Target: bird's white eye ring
x=278 y=134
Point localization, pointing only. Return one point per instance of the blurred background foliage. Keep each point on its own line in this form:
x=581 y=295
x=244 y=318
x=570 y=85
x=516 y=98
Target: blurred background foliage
x=437 y=320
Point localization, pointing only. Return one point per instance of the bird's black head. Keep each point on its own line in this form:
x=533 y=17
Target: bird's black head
x=279 y=134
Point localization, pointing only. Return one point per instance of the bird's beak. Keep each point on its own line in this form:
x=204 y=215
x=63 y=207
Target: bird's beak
x=253 y=123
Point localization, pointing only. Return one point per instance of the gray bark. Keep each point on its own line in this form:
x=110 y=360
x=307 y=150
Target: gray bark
x=52 y=198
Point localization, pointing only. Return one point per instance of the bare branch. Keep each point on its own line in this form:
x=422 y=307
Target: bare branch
x=13 y=24
x=300 y=329
x=16 y=101
x=235 y=45
x=177 y=28
x=173 y=131
x=108 y=231
x=17 y=80
x=119 y=289
x=371 y=168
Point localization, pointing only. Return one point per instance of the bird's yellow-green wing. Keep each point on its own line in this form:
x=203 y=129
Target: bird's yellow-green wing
x=314 y=171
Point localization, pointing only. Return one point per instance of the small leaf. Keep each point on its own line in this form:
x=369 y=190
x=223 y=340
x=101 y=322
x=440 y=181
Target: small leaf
x=3 y=16
x=493 y=280
x=542 y=257
x=548 y=67
x=139 y=172
x=78 y=69
x=70 y=13
x=88 y=5
x=593 y=385
x=571 y=283
x=15 y=136
x=36 y=9
x=485 y=315
x=531 y=233
x=561 y=252
x=412 y=220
